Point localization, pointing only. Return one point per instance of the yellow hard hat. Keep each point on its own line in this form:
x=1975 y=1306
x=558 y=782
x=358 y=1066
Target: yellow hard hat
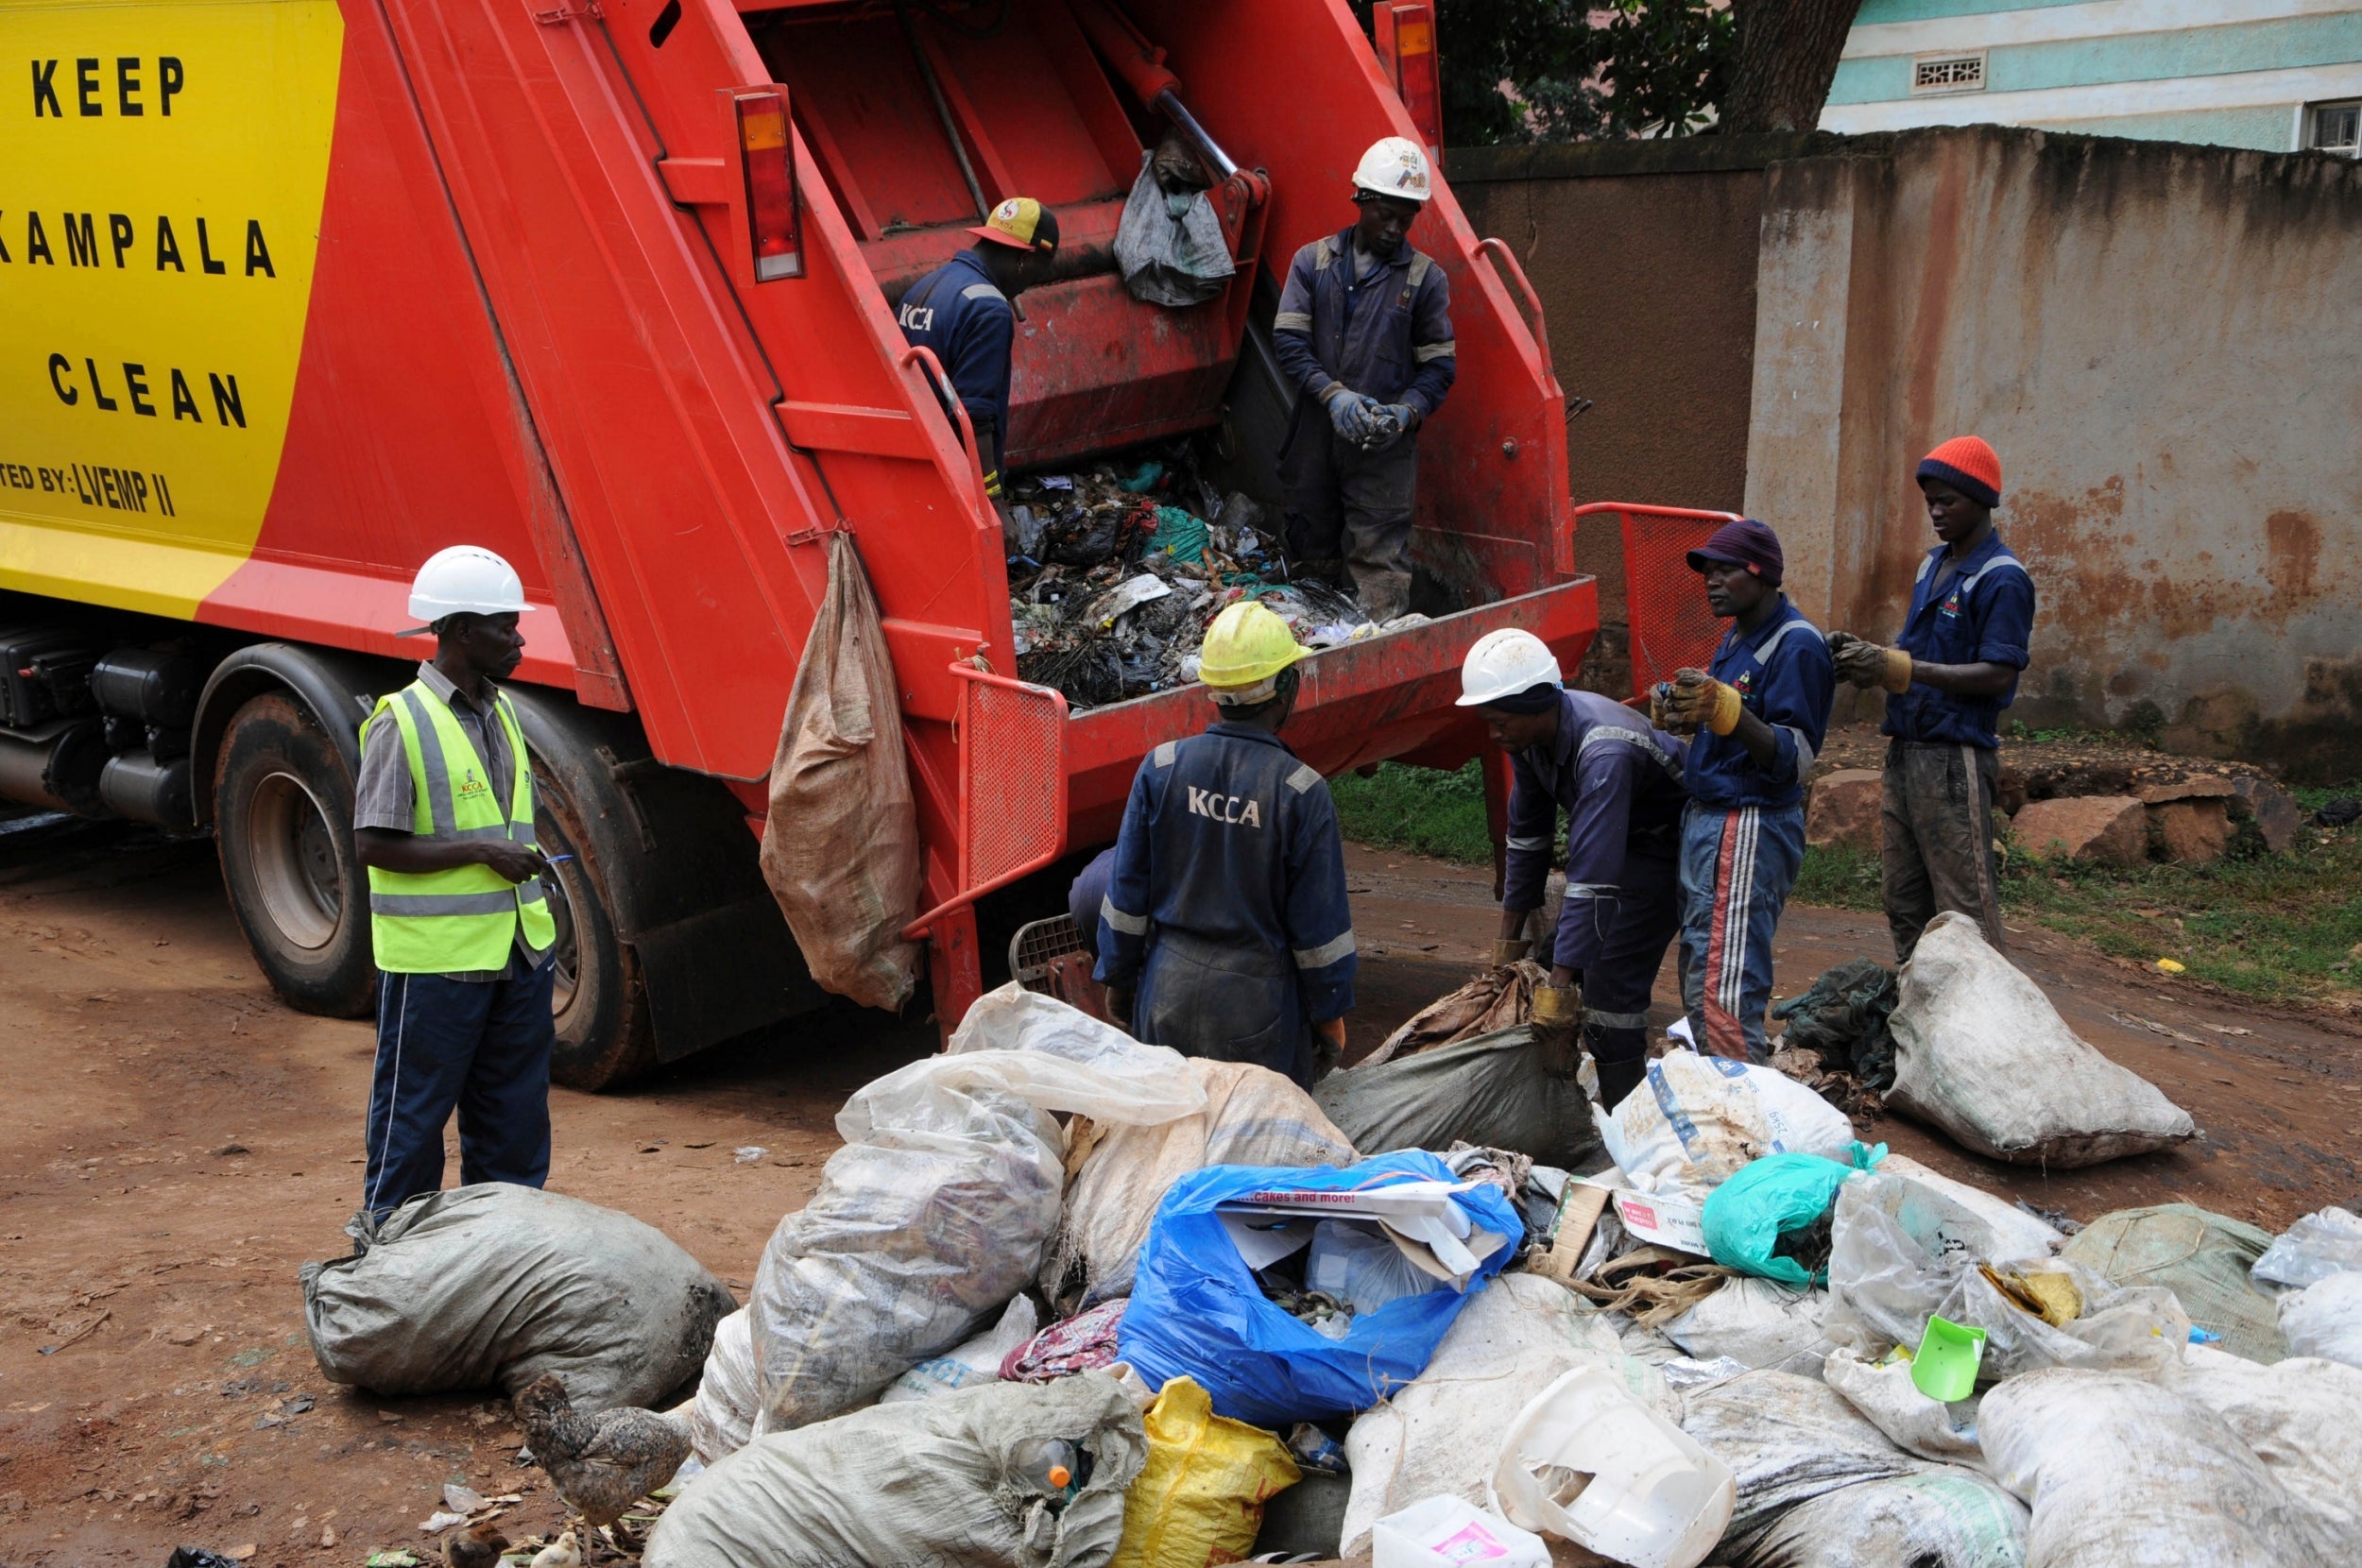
x=1246 y=647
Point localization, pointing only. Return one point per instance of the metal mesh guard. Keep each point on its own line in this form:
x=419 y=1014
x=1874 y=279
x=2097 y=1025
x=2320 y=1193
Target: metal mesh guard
x=1016 y=746
x=1038 y=944
x=1663 y=601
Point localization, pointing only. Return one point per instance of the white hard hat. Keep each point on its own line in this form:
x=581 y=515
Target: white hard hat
x=1394 y=167
x=1504 y=663
x=465 y=579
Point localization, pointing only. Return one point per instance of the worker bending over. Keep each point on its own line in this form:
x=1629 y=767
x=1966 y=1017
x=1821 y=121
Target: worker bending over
x=442 y=817
x=1365 y=333
x=1224 y=931
x=1949 y=675
x=1759 y=712
x=1619 y=782
x=961 y=312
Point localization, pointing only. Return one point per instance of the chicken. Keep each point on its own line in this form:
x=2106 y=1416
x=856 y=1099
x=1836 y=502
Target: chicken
x=565 y=1551
x=476 y=1545
x=600 y=1464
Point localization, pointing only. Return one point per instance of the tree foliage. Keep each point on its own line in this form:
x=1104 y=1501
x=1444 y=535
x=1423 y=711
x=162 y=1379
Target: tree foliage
x=1561 y=70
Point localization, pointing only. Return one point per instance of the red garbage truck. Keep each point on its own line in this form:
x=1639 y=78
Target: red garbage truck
x=302 y=290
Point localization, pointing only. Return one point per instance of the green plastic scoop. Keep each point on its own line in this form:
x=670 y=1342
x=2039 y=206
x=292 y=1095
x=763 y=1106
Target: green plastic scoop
x=1945 y=1367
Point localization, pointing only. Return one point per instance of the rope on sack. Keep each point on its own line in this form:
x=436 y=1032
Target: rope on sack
x=1631 y=1285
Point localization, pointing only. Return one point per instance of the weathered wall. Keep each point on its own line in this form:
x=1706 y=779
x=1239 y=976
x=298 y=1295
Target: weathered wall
x=2164 y=345
x=1643 y=254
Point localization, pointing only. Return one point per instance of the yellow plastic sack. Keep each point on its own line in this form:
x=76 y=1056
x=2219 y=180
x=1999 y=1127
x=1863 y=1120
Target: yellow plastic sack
x=1200 y=1498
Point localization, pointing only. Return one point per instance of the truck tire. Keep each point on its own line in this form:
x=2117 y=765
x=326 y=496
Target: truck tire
x=283 y=814
x=605 y=1035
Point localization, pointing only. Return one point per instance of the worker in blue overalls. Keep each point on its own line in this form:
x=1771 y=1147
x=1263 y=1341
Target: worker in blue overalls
x=1619 y=782
x=1224 y=931
x=1759 y=712
x=960 y=313
x=1948 y=677
x=1363 y=334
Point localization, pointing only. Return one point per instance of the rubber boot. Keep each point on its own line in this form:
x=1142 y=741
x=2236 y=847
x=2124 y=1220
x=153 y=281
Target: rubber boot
x=1619 y=1079
x=1622 y=1065
x=1383 y=595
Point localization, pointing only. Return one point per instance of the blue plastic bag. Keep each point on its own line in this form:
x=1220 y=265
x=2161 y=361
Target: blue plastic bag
x=1765 y=1198
x=1197 y=1312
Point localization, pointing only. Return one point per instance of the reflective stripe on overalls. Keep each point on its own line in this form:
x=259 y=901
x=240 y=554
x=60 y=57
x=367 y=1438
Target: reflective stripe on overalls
x=466 y=918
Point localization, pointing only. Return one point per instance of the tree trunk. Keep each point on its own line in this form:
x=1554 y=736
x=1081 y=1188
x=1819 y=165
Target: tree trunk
x=1788 y=53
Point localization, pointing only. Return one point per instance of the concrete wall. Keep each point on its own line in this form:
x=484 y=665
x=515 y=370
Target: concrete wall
x=2164 y=345
x=1643 y=254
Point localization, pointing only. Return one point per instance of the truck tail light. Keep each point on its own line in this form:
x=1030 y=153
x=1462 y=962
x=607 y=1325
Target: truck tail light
x=1405 y=35
x=766 y=152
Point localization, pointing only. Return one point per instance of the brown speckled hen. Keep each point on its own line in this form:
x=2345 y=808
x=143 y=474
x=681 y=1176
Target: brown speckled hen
x=600 y=1464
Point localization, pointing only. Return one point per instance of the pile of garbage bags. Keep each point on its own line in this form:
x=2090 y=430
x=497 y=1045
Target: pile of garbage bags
x=1116 y=570
x=1063 y=1298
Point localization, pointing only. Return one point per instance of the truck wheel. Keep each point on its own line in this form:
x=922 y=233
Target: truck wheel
x=283 y=814
x=604 y=1033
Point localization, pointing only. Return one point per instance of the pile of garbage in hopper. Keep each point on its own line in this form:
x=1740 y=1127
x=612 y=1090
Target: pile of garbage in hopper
x=1062 y=1298
x=1116 y=570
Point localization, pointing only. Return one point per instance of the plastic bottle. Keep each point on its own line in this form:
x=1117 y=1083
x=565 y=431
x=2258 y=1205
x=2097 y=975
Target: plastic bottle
x=1052 y=1466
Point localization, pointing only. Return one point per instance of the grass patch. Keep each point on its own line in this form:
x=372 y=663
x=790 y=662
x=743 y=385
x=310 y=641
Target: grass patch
x=1420 y=809
x=2276 y=927
x=1840 y=879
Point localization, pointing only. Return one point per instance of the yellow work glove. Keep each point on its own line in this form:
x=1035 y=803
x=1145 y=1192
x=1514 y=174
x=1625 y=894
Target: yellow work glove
x=1507 y=950
x=1867 y=664
x=1894 y=670
x=1328 y=1045
x=1697 y=698
x=1557 y=1005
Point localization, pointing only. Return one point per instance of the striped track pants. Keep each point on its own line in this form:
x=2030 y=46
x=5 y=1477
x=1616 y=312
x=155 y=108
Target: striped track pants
x=1737 y=866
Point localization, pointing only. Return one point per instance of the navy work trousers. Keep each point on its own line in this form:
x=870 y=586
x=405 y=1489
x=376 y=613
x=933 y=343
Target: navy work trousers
x=1618 y=984
x=481 y=1047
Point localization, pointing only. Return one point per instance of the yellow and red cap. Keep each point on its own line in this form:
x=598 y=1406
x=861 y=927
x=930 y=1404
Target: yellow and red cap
x=1021 y=222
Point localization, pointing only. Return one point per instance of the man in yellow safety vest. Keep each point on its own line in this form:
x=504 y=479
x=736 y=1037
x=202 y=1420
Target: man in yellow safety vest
x=459 y=911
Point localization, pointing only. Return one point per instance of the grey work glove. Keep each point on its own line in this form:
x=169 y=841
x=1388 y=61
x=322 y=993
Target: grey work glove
x=1391 y=423
x=1353 y=416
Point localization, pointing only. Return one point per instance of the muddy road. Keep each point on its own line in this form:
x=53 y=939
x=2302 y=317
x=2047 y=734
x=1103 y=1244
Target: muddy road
x=179 y=1143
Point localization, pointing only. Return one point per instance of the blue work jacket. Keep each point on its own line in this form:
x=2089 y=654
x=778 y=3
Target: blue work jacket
x=1783 y=675
x=1620 y=783
x=1982 y=613
x=960 y=312
x=1227 y=908
x=1385 y=334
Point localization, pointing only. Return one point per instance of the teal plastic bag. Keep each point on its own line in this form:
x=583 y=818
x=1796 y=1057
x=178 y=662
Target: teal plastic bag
x=1763 y=1200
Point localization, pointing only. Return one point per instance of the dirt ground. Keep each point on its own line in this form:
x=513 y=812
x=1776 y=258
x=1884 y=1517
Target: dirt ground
x=181 y=1143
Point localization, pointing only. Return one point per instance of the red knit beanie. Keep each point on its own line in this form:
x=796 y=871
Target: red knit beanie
x=1969 y=466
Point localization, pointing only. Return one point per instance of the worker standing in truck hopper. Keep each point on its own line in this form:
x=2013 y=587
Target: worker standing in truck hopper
x=1225 y=932
x=1760 y=713
x=459 y=916
x=960 y=313
x=1948 y=677
x=1365 y=333
x=1619 y=782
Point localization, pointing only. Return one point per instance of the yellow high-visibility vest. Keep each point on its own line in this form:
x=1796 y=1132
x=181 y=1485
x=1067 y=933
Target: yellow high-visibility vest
x=442 y=922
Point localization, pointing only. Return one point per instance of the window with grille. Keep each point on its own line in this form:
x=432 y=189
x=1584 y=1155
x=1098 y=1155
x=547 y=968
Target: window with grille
x=2336 y=127
x=1949 y=73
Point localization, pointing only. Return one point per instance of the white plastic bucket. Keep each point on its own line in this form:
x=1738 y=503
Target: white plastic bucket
x=1588 y=1463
